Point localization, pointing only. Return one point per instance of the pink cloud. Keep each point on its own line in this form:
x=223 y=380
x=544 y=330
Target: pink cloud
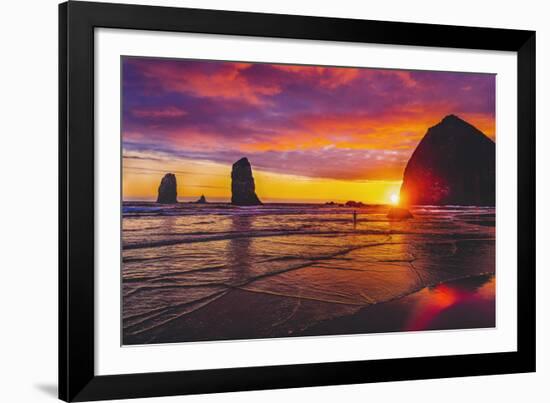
x=158 y=112
x=225 y=80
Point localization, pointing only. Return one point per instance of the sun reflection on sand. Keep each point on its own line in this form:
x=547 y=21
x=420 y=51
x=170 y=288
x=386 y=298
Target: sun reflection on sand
x=433 y=303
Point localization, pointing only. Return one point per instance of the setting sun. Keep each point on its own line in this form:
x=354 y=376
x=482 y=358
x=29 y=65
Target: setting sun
x=319 y=148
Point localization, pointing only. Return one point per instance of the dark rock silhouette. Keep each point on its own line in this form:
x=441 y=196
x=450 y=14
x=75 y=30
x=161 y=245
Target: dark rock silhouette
x=243 y=189
x=398 y=213
x=453 y=164
x=167 y=192
x=202 y=200
x=352 y=203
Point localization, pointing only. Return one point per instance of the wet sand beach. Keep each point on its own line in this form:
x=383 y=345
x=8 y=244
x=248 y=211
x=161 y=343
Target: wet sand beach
x=216 y=272
x=460 y=304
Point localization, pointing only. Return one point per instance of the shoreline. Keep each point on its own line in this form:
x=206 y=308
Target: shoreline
x=444 y=306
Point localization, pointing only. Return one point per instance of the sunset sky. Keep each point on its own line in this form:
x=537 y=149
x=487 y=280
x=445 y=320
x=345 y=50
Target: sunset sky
x=310 y=133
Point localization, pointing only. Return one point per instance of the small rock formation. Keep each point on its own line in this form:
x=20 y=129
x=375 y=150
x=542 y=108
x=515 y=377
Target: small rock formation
x=202 y=200
x=167 y=193
x=243 y=189
x=352 y=203
x=453 y=164
x=330 y=203
x=398 y=213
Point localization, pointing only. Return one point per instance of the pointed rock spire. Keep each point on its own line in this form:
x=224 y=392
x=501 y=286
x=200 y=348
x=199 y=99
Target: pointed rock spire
x=167 y=192
x=243 y=189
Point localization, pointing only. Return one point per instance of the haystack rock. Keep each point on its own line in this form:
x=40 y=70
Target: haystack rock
x=202 y=200
x=453 y=164
x=167 y=193
x=243 y=189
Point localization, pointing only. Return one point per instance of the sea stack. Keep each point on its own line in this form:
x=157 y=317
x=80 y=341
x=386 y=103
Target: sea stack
x=398 y=213
x=202 y=200
x=167 y=193
x=352 y=203
x=453 y=164
x=243 y=189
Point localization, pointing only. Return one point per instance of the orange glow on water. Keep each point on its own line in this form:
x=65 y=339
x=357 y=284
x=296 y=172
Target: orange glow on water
x=441 y=298
x=432 y=302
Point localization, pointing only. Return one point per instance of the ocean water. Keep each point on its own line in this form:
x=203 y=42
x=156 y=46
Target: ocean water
x=297 y=264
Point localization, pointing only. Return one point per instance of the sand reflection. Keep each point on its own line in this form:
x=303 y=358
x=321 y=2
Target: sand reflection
x=239 y=248
x=441 y=306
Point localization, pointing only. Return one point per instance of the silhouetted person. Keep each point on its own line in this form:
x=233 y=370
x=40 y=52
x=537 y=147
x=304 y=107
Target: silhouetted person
x=354 y=218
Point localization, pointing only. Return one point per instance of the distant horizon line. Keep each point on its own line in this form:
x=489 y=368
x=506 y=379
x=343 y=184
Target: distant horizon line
x=264 y=201
x=314 y=202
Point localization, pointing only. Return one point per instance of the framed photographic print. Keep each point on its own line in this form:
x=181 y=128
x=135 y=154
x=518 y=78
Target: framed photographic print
x=254 y=201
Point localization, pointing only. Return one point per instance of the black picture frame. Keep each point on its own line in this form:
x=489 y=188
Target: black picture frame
x=77 y=379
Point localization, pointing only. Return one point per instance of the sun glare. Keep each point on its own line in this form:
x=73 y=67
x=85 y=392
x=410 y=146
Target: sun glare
x=394 y=198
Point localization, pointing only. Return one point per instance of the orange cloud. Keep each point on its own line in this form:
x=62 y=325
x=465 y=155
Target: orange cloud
x=328 y=77
x=394 y=130
x=227 y=81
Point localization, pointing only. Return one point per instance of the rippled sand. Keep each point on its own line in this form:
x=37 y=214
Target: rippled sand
x=210 y=272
